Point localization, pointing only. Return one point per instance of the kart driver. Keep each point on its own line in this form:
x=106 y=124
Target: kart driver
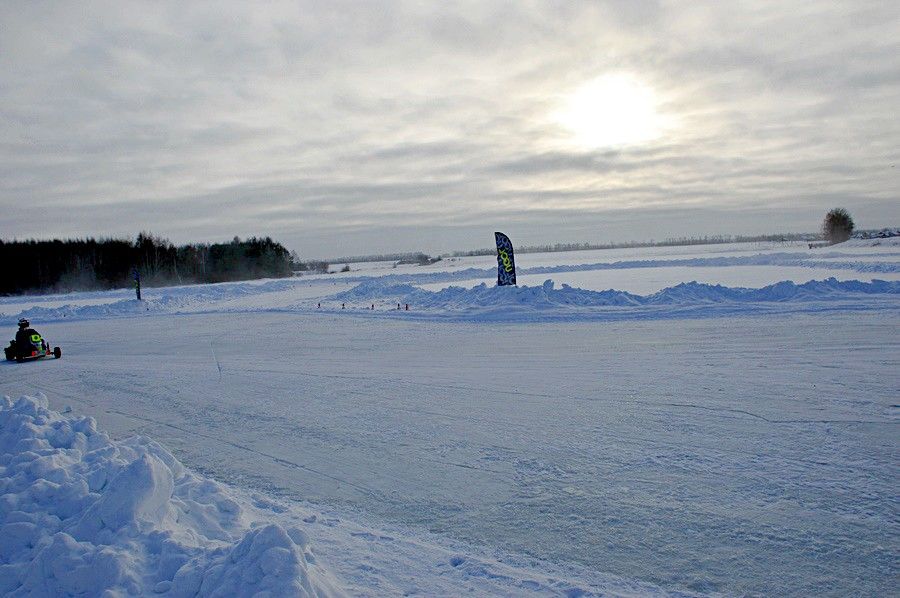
x=23 y=337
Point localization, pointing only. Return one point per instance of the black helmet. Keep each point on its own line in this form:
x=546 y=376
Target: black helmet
x=23 y=323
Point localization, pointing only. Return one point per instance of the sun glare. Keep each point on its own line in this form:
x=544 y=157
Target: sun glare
x=613 y=110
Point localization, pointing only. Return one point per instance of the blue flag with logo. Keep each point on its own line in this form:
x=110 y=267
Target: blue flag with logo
x=506 y=265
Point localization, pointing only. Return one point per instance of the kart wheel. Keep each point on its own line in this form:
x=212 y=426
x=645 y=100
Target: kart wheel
x=57 y=352
x=19 y=359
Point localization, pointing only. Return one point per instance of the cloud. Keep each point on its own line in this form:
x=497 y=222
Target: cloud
x=318 y=121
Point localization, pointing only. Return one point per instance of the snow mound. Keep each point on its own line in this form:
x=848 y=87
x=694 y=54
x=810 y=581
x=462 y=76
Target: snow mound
x=81 y=514
x=548 y=296
x=480 y=296
x=487 y=300
x=890 y=239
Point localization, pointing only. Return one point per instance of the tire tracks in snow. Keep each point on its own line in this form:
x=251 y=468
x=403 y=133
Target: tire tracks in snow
x=384 y=403
x=376 y=494
x=243 y=447
x=629 y=401
x=274 y=458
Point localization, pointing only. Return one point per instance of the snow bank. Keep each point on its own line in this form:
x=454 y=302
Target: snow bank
x=548 y=296
x=802 y=260
x=183 y=299
x=81 y=514
x=284 y=295
x=884 y=264
x=891 y=239
x=525 y=302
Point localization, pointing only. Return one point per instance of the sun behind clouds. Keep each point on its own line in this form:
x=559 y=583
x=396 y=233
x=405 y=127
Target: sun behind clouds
x=610 y=111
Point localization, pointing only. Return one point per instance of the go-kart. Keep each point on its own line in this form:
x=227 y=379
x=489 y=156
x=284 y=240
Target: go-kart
x=37 y=348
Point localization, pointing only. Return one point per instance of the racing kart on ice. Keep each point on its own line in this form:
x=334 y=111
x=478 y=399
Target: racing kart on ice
x=36 y=348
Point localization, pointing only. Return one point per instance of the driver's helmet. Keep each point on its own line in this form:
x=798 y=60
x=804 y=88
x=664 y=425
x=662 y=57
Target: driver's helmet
x=23 y=323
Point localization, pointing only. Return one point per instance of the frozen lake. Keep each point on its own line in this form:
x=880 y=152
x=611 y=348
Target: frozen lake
x=687 y=438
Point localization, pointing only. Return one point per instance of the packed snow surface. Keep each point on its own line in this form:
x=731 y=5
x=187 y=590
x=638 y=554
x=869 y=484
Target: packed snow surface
x=703 y=427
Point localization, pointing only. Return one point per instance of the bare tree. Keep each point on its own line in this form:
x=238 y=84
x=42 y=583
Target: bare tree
x=838 y=225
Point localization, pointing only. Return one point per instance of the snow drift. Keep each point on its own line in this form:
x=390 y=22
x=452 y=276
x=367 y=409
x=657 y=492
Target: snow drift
x=547 y=296
x=81 y=514
x=491 y=302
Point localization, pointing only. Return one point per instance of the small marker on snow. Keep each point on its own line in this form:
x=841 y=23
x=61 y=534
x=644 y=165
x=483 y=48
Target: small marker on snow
x=342 y=306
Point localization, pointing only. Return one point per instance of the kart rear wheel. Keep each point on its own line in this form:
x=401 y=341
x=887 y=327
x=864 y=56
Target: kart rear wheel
x=19 y=359
x=57 y=352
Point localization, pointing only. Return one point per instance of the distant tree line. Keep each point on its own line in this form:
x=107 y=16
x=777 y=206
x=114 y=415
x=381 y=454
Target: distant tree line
x=409 y=257
x=88 y=264
x=424 y=259
x=670 y=242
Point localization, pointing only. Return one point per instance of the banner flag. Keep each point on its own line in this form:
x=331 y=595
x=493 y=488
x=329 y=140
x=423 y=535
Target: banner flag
x=506 y=265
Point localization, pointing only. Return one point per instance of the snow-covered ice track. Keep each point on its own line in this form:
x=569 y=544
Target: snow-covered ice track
x=724 y=455
x=542 y=396
x=470 y=419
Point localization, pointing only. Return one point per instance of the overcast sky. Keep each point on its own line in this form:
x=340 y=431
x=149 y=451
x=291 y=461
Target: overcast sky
x=360 y=127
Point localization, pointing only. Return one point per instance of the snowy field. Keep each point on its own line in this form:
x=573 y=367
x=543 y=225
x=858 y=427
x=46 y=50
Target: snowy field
x=632 y=433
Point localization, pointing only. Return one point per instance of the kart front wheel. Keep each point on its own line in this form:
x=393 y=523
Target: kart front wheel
x=57 y=352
